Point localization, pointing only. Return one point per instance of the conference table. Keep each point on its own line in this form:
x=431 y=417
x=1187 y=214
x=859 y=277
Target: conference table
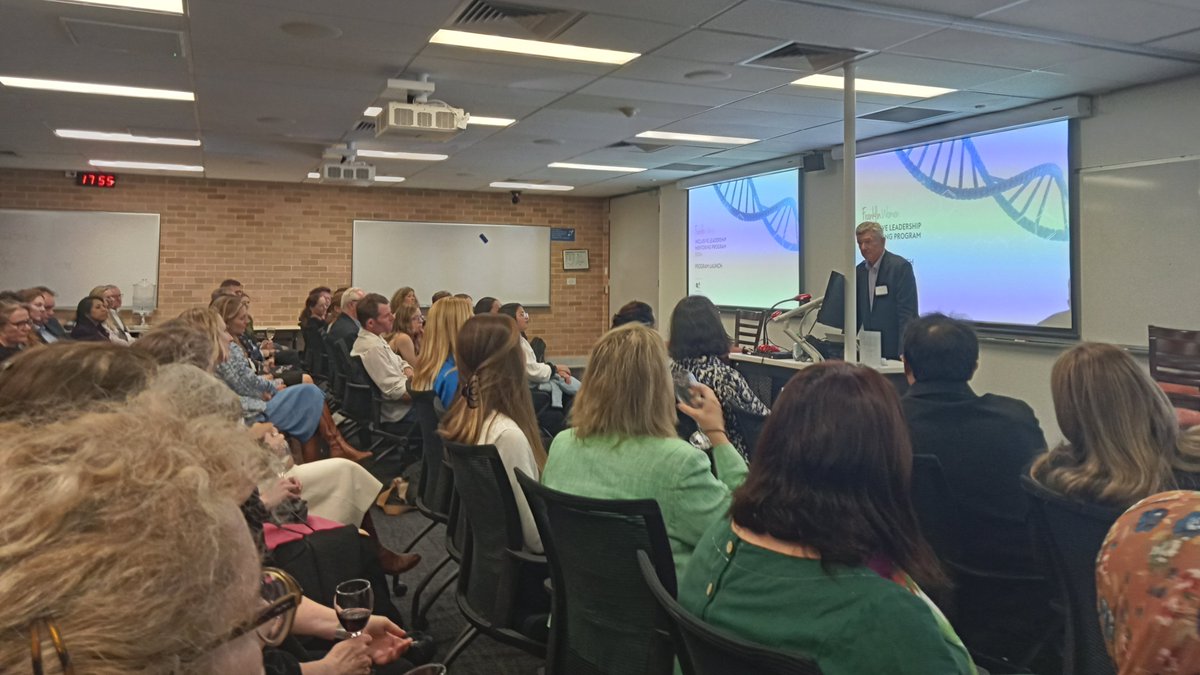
x=768 y=375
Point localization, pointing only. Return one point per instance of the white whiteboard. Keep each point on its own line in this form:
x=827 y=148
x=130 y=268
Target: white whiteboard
x=72 y=252
x=1139 y=250
x=512 y=265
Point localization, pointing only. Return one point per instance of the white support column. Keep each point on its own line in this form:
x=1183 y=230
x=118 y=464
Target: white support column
x=849 y=211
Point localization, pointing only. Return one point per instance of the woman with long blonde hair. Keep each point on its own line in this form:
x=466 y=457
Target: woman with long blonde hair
x=496 y=407
x=623 y=444
x=1122 y=439
x=435 y=367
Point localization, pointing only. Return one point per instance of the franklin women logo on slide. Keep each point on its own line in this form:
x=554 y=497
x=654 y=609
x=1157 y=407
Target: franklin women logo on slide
x=1035 y=199
x=782 y=219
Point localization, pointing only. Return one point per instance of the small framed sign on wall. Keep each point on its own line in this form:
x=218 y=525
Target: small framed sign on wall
x=575 y=259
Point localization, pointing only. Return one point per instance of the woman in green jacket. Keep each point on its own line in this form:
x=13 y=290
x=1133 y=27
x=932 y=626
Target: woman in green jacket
x=623 y=445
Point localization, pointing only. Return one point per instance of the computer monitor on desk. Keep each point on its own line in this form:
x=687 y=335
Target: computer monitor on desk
x=832 y=314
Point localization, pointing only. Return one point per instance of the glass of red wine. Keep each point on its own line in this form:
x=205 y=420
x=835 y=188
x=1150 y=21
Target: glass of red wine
x=354 y=601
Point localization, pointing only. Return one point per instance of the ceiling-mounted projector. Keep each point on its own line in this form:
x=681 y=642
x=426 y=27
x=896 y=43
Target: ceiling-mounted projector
x=430 y=121
x=350 y=173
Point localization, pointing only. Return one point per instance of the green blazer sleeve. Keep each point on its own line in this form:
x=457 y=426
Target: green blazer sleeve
x=696 y=499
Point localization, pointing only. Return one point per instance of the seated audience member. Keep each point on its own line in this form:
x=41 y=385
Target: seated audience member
x=404 y=296
x=622 y=444
x=554 y=386
x=119 y=493
x=496 y=407
x=316 y=305
x=298 y=411
x=435 y=368
x=537 y=373
x=821 y=553
x=407 y=327
x=634 y=310
x=345 y=327
x=335 y=305
x=985 y=443
x=35 y=302
x=117 y=331
x=386 y=368
x=438 y=296
x=465 y=296
x=699 y=345
x=487 y=305
x=53 y=326
x=1122 y=442
x=47 y=384
x=1146 y=586
x=90 y=316
x=15 y=327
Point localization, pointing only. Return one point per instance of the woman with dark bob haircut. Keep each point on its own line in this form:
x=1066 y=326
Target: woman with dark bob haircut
x=821 y=554
x=634 y=311
x=699 y=345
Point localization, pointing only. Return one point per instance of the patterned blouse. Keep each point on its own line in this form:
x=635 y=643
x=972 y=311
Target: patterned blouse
x=238 y=374
x=731 y=389
x=1148 y=586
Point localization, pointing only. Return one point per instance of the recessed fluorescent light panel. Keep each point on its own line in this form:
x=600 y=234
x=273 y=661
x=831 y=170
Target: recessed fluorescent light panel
x=82 y=135
x=490 y=121
x=372 y=111
x=531 y=186
x=873 y=86
x=389 y=179
x=552 y=50
x=163 y=6
x=91 y=88
x=313 y=174
x=416 y=156
x=696 y=138
x=148 y=166
x=595 y=167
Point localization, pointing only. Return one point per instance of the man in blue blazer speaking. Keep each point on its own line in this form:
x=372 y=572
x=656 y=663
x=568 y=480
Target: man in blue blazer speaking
x=887 y=289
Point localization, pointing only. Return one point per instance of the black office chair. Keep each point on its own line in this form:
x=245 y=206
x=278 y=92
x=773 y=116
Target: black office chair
x=939 y=515
x=705 y=650
x=363 y=403
x=605 y=621
x=494 y=564
x=750 y=425
x=338 y=359
x=315 y=358
x=1071 y=533
x=432 y=498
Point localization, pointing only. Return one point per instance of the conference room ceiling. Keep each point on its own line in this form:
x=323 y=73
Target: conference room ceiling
x=279 y=82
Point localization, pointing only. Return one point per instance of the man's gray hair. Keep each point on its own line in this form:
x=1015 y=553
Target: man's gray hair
x=869 y=226
x=351 y=296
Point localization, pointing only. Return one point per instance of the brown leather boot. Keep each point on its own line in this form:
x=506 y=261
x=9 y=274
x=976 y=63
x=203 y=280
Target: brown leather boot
x=397 y=563
x=310 y=450
x=338 y=446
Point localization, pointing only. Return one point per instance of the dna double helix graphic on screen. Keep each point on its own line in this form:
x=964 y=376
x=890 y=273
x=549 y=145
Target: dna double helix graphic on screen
x=1035 y=199
x=782 y=219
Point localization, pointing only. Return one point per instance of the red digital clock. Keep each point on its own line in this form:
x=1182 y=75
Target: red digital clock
x=95 y=179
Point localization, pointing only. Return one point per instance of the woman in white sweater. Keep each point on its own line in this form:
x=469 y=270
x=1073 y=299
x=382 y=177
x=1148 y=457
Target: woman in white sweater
x=495 y=407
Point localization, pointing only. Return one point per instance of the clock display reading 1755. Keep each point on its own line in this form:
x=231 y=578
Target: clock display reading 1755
x=96 y=179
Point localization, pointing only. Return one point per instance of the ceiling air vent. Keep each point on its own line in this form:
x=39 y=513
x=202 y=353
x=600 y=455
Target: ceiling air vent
x=116 y=37
x=803 y=58
x=904 y=114
x=514 y=20
x=642 y=147
x=8 y=153
x=365 y=125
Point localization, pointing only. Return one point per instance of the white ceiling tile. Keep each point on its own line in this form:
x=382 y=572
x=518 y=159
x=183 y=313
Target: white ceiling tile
x=972 y=102
x=1187 y=42
x=980 y=48
x=741 y=78
x=712 y=46
x=516 y=72
x=790 y=101
x=1125 y=69
x=627 y=35
x=532 y=67
x=816 y=25
x=611 y=106
x=1122 y=20
x=678 y=12
x=1044 y=85
x=616 y=87
x=933 y=72
x=757 y=118
x=412 y=12
x=968 y=8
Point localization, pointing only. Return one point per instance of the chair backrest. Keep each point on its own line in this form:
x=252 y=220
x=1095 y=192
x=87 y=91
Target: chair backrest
x=751 y=426
x=358 y=400
x=487 y=581
x=339 y=364
x=605 y=621
x=1071 y=533
x=1175 y=359
x=433 y=492
x=935 y=507
x=747 y=327
x=705 y=650
x=316 y=358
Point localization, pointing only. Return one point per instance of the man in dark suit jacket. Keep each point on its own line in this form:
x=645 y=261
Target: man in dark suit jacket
x=985 y=444
x=887 y=289
x=345 y=328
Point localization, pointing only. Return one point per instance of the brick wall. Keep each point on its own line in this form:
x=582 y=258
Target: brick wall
x=281 y=239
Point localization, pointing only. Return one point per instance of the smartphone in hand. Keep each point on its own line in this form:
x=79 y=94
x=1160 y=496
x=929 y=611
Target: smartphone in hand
x=683 y=386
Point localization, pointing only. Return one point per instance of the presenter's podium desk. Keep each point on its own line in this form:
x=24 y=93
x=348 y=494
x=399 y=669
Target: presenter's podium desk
x=767 y=375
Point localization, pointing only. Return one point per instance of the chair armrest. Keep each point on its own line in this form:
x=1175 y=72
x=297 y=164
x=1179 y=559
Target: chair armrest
x=526 y=557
